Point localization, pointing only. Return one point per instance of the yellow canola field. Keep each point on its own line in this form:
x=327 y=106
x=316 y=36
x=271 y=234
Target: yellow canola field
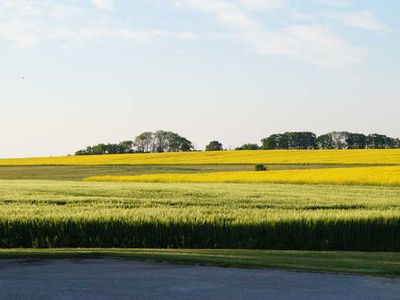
x=381 y=176
x=371 y=157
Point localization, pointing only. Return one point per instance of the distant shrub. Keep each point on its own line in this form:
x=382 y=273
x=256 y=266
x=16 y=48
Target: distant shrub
x=261 y=168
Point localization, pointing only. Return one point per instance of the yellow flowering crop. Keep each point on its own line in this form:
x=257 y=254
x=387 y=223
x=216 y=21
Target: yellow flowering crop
x=385 y=176
x=370 y=157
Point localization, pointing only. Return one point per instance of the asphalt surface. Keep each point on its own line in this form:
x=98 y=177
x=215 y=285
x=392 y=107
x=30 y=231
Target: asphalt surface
x=124 y=279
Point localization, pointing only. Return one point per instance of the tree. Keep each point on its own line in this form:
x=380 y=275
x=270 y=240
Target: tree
x=356 y=141
x=177 y=143
x=301 y=140
x=397 y=143
x=144 y=142
x=339 y=139
x=290 y=140
x=162 y=141
x=214 y=146
x=125 y=147
x=275 y=141
x=248 y=147
x=379 y=141
x=325 y=142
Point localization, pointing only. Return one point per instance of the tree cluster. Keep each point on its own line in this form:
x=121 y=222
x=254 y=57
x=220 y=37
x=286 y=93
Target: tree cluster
x=332 y=140
x=248 y=147
x=214 y=146
x=121 y=148
x=162 y=141
x=159 y=141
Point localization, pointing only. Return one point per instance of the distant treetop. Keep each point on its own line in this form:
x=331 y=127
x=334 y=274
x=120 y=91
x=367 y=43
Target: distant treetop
x=168 y=141
x=214 y=146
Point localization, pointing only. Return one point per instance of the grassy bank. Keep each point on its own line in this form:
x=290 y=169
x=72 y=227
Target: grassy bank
x=383 y=264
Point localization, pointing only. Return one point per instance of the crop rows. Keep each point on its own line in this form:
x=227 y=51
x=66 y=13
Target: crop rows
x=88 y=214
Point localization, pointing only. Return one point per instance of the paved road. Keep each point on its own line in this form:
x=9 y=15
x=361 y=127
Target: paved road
x=123 y=279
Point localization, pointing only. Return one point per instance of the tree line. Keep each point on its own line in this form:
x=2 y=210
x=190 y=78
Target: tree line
x=331 y=140
x=168 y=141
x=158 y=141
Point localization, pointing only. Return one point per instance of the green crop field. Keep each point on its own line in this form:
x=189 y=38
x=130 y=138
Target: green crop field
x=36 y=213
x=52 y=207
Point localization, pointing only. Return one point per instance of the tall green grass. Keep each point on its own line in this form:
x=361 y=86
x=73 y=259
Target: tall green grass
x=42 y=214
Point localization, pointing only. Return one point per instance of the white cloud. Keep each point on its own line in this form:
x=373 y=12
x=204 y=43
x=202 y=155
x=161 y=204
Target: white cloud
x=28 y=23
x=337 y=3
x=263 y=4
x=104 y=4
x=23 y=34
x=45 y=8
x=361 y=19
x=317 y=45
x=28 y=34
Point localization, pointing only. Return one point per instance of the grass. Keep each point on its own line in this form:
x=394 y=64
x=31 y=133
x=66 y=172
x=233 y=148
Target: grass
x=62 y=172
x=369 y=156
x=382 y=264
x=37 y=213
x=380 y=176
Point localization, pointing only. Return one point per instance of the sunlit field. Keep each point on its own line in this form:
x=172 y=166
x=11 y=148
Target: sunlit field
x=254 y=216
x=384 y=176
x=370 y=157
x=306 y=200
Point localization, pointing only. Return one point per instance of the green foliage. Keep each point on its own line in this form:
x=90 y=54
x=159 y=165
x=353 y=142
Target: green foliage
x=159 y=141
x=162 y=141
x=79 y=214
x=290 y=140
x=121 y=148
x=331 y=140
x=214 y=146
x=248 y=147
x=260 y=168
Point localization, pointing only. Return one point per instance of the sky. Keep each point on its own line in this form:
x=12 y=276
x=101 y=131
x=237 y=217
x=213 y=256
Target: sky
x=77 y=73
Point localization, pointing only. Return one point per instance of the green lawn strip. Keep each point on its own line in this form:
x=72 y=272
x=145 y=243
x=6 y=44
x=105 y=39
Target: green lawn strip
x=367 y=263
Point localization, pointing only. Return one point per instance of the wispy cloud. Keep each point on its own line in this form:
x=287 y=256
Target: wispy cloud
x=104 y=4
x=335 y=3
x=29 y=23
x=361 y=19
x=45 y=8
x=304 y=36
x=317 y=45
x=263 y=4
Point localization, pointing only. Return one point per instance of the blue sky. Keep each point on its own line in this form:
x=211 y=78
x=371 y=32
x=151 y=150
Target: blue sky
x=74 y=73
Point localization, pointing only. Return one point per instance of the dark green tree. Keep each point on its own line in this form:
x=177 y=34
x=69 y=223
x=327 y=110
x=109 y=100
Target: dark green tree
x=214 y=146
x=248 y=147
x=356 y=141
x=325 y=142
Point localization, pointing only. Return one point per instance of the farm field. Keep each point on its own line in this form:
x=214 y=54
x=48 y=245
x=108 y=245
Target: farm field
x=369 y=156
x=380 y=176
x=43 y=214
x=306 y=201
x=79 y=172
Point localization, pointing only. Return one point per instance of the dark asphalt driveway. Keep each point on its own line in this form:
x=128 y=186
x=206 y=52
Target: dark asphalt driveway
x=124 y=279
